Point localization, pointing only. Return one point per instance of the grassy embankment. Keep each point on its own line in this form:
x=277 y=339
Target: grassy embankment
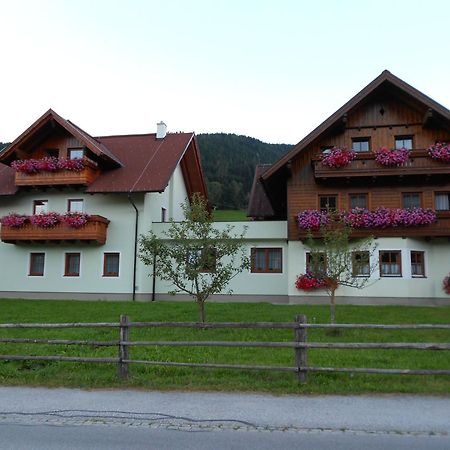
x=230 y=215
x=104 y=375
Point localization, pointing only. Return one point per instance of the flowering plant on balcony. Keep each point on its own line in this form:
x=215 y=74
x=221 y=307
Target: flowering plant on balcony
x=338 y=157
x=47 y=164
x=446 y=284
x=394 y=157
x=14 y=220
x=45 y=220
x=312 y=219
x=75 y=219
x=440 y=151
x=308 y=282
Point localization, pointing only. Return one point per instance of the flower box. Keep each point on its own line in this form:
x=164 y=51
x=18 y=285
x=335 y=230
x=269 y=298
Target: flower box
x=338 y=157
x=440 y=152
x=391 y=157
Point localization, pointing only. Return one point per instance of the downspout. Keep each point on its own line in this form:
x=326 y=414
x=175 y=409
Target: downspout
x=154 y=278
x=135 y=244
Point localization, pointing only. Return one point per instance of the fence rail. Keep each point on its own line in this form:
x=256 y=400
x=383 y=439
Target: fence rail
x=300 y=345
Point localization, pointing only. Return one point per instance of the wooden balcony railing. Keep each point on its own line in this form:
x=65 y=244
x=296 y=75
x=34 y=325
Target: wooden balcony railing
x=440 y=228
x=93 y=231
x=364 y=165
x=60 y=177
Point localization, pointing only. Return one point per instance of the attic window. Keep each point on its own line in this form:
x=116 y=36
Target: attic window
x=75 y=153
x=361 y=144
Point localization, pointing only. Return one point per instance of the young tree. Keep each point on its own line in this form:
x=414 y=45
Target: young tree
x=337 y=260
x=195 y=256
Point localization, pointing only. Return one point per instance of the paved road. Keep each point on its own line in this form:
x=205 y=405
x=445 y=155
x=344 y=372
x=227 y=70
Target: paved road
x=75 y=419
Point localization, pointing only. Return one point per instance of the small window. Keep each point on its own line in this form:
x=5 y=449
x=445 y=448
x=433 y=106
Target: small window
x=202 y=260
x=72 y=265
x=37 y=262
x=75 y=153
x=404 y=142
x=361 y=264
x=40 y=206
x=442 y=201
x=361 y=144
x=411 y=200
x=75 y=205
x=316 y=263
x=390 y=264
x=163 y=215
x=326 y=149
x=417 y=264
x=111 y=264
x=267 y=260
x=328 y=202
x=358 y=201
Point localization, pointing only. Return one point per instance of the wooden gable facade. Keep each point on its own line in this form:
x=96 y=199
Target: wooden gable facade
x=387 y=113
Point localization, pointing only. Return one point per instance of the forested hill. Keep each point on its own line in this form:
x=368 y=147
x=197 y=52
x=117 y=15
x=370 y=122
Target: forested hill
x=229 y=161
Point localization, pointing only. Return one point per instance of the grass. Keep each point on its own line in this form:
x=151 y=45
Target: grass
x=230 y=215
x=168 y=378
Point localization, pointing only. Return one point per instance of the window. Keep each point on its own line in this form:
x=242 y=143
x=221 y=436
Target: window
x=72 y=265
x=404 y=142
x=75 y=153
x=411 y=200
x=417 y=264
x=75 y=205
x=328 y=202
x=37 y=261
x=202 y=260
x=111 y=264
x=326 y=149
x=390 y=264
x=40 y=206
x=316 y=263
x=358 y=201
x=361 y=264
x=442 y=201
x=361 y=144
x=267 y=260
x=163 y=215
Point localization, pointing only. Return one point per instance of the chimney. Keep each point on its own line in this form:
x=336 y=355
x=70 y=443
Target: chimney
x=161 y=130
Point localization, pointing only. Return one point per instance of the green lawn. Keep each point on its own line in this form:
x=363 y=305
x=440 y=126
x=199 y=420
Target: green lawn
x=164 y=378
x=230 y=215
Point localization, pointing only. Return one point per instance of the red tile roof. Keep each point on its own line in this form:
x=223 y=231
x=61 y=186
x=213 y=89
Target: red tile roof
x=148 y=163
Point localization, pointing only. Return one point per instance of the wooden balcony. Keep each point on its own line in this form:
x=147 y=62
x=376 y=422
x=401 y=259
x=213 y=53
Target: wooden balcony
x=441 y=228
x=364 y=165
x=94 y=231
x=59 y=177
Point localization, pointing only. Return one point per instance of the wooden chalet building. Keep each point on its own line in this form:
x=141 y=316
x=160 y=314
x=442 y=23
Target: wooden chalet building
x=413 y=259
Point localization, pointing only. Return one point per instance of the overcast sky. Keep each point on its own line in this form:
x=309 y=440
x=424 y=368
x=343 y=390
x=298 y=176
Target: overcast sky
x=273 y=70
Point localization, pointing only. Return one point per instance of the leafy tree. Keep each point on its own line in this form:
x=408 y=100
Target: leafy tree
x=338 y=260
x=197 y=258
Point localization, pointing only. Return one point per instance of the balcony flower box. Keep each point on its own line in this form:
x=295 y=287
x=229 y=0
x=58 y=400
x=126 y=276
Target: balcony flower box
x=338 y=157
x=391 y=157
x=53 y=227
x=440 y=152
x=54 y=171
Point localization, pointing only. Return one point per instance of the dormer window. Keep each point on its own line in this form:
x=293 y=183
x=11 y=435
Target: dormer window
x=361 y=144
x=403 y=142
x=75 y=153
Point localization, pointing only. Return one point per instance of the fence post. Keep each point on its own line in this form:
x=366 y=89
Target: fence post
x=301 y=355
x=123 y=348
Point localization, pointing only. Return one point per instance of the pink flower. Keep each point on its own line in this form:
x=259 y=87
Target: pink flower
x=14 y=220
x=338 y=157
x=387 y=157
x=45 y=220
x=308 y=282
x=75 y=219
x=440 y=152
x=446 y=284
x=47 y=164
x=312 y=219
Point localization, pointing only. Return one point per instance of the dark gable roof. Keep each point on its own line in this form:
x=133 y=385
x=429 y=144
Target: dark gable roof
x=148 y=163
x=51 y=116
x=385 y=77
x=259 y=206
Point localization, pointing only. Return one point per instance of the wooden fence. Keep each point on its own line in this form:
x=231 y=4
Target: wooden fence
x=300 y=345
